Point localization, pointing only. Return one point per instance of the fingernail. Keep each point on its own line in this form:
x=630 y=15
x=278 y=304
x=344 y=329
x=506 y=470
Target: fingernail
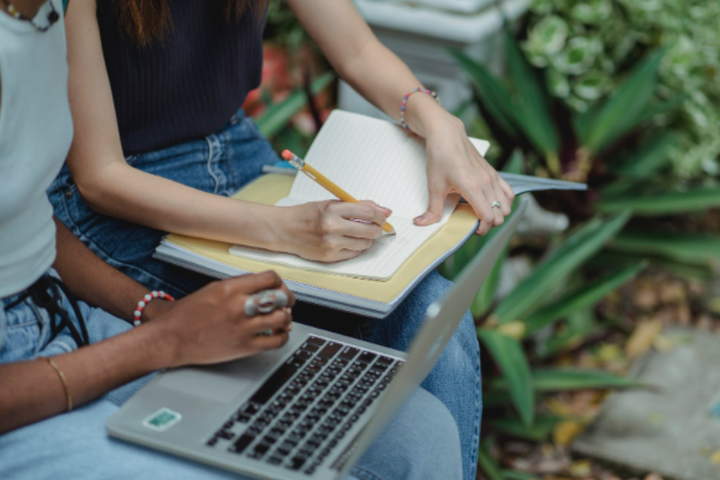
x=421 y=218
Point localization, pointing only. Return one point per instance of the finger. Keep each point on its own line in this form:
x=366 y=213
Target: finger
x=385 y=210
x=280 y=319
x=481 y=207
x=270 y=342
x=509 y=194
x=503 y=210
x=351 y=228
x=361 y=211
x=355 y=244
x=492 y=197
x=436 y=202
x=252 y=283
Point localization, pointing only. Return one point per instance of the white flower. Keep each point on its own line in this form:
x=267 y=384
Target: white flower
x=548 y=36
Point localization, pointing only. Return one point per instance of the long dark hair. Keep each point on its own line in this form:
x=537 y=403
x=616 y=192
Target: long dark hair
x=147 y=20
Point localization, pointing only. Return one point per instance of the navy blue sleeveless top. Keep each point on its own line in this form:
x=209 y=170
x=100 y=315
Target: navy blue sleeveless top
x=186 y=85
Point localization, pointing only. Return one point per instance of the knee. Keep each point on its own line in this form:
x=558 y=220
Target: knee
x=421 y=442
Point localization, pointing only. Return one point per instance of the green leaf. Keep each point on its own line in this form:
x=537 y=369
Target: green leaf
x=694 y=249
x=648 y=160
x=515 y=163
x=669 y=203
x=279 y=114
x=488 y=465
x=660 y=109
x=552 y=272
x=510 y=358
x=533 y=116
x=630 y=101
x=485 y=296
x=493 y=94
x=556 y=380
x=608 y=257
x=580 y=325
x=516 y=475
x=580 y=299
x=538 y=432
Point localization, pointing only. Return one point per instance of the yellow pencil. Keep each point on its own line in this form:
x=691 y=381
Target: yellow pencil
x=325 y=182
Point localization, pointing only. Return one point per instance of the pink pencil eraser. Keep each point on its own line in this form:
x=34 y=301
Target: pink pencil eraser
x=287 y=155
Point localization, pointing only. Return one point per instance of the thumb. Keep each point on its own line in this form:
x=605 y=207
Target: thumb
x=434 y=210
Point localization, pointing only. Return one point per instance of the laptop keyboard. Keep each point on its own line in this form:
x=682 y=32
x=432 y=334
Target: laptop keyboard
x=300 y=414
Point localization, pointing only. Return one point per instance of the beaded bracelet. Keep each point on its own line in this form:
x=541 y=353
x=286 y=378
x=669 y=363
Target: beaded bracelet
x=403 y=106
x=149 y=297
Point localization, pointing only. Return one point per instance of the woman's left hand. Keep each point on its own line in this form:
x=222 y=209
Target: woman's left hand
x=454 y=166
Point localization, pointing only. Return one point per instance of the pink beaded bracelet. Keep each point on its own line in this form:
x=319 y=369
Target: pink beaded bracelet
x=149 y=297
x=403 y=106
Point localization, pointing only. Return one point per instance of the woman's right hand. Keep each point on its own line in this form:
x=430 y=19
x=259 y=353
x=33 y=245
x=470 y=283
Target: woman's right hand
x=330 y=231
x=210 y=326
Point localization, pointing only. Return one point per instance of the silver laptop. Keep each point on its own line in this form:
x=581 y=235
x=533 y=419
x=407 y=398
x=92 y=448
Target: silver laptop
x=308 y=410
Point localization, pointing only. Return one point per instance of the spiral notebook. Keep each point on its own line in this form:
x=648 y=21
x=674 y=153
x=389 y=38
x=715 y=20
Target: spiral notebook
x=371 y=159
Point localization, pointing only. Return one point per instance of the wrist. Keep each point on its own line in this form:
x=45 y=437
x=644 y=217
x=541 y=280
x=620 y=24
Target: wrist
x=162 y=343
x=155 y=309
x=423 y=113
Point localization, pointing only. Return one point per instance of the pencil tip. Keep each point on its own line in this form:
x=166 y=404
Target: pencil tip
x=392 y=232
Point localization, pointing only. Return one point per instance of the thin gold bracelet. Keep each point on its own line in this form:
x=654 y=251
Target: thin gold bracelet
x=68 y=396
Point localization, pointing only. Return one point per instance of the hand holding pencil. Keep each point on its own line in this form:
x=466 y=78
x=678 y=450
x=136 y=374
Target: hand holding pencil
x=326 y=183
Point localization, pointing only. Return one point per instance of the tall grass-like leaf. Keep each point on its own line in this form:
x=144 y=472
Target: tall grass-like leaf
x=560 y=380
x=517 y=475
x=649 y=159
x=279 y=114
x=694 y=249
x=551 y=273
x=580 y=299
x=609 y=257
x=485 y=296
x=510 y=358
x=533 y=115
x=626 y=106
x=539 y=431
x=580 y=325
x=664 y=203
x=488 y=465
x=493 y=94
x=662 y=108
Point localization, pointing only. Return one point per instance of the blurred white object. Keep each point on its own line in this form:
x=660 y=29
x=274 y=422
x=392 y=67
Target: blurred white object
x=538 y=221
x=421 y=31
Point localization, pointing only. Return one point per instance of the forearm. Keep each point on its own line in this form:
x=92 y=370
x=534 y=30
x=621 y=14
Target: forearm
x=94 y=281
x=31 y=390
x=383 y=79
x=121 y=191
x=367 y=65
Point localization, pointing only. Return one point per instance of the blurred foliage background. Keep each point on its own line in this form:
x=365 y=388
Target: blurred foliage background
x=623 y=95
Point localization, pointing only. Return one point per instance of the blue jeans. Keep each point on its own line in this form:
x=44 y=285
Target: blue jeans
x=222 y=164
x=76 y=445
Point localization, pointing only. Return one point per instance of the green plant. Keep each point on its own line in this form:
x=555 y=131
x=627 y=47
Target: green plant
x=553 y=291
x=584 y=48
x=612 y=145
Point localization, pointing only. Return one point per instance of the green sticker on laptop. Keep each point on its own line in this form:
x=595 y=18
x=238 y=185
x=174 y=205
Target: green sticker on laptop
x=162 y=419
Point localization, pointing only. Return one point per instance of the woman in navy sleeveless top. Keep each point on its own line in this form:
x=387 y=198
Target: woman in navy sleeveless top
x=161 y=142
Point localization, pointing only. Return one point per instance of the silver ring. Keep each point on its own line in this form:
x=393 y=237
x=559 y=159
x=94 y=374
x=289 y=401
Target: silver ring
x=495 y=204
x=265 y=302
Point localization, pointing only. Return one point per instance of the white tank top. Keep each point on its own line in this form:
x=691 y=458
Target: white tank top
x=35 y=135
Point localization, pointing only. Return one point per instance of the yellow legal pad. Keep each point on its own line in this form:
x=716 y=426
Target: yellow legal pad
x=271 y=188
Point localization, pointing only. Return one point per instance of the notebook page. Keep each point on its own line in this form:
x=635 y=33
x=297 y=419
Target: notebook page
x=379 y=262
x=371 y=159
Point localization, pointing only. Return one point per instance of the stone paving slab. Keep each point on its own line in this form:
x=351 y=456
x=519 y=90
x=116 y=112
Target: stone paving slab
x=673 y=429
